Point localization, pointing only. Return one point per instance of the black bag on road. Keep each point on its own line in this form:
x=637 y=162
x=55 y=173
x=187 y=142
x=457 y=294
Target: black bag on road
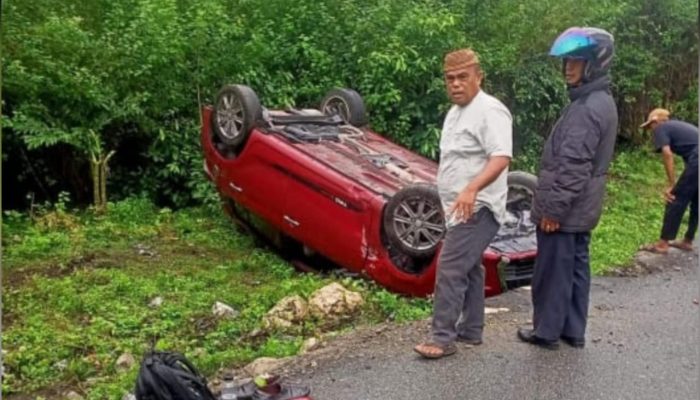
x=170 y=376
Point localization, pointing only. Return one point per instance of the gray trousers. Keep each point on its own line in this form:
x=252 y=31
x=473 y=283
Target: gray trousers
x=561 y=284
x=459 y=287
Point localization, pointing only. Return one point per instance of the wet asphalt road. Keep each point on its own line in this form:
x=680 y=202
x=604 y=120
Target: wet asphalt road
x=642 y=344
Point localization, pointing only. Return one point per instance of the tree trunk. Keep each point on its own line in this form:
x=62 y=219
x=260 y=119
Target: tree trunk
x=95 y=174
x=103 y=172
x=98 y=169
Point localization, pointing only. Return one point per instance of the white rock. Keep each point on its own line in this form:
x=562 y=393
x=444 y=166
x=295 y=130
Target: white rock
x=286 y=313
x=222 y=310
x=125 y=362
x=333 y=302
x=144 y=250
x=61 y=365
x=156 y=302
x=309 y=344
x=71 y=395
x=199 y=351
x=490 y=310
x=265 y=365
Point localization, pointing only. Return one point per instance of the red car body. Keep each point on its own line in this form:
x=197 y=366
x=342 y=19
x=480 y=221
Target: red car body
x=330 y=198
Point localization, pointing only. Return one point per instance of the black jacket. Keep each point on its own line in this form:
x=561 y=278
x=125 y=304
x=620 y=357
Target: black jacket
x=576 y=157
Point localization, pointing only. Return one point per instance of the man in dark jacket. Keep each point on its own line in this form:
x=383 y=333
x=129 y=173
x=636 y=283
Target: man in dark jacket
x=571 y=185
x=681 y=138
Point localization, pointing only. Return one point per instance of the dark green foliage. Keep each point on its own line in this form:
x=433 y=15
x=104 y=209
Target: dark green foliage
x=134 y=71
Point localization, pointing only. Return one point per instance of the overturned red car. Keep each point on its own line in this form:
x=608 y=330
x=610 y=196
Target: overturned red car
x=320 y=183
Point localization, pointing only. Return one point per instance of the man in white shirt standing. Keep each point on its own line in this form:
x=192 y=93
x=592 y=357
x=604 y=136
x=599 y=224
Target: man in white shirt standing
x=475 y=151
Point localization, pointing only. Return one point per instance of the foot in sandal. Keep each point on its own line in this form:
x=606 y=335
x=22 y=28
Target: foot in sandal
x=435 y=350
x=659 y=247
x=684 y=245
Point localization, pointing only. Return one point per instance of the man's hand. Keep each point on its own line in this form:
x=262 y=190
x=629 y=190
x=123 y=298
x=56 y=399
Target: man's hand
x=549 y=225
x=463 y=208
x=668 y=194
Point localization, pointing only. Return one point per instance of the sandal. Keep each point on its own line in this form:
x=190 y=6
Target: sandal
x=682 y=245
x=427 y=350
x=653 y=248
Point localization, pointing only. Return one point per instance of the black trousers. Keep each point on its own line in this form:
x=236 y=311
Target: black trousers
x=561 y=284
x=686 y=192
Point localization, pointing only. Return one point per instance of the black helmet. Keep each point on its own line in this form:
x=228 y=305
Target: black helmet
x=595 y=45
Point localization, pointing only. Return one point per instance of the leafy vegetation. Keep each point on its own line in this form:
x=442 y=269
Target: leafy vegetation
x=134 y=73
x=77 y=288
x=77 y=285
x=633 y=211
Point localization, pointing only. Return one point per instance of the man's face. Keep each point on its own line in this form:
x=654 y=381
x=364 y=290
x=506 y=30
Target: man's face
x=463 y=84
x=573 y=70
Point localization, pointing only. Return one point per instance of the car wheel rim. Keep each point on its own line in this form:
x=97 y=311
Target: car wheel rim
x=418 y=223
x=336 y=105
x=229 y=116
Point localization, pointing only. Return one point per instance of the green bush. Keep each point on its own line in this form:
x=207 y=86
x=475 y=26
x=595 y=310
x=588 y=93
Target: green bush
x=136 y=71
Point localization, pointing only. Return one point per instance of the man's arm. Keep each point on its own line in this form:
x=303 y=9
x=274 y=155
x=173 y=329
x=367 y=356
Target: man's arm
x=463 y=207
x=667 y=155
x=668 y=164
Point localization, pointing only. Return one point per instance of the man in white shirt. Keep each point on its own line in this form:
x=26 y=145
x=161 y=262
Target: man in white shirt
x=475 y=151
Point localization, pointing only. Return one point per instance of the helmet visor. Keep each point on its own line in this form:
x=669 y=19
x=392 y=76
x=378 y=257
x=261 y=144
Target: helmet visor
x=572 y=43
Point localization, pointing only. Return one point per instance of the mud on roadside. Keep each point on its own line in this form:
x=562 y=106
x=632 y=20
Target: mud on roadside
x=645 y=263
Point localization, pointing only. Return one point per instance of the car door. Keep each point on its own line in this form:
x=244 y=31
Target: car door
x=256 y=179
x=325 y=211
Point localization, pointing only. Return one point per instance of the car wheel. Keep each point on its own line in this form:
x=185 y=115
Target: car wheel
x=413 y=220
x=521 y=190
x=236 y=112
x=348 y=104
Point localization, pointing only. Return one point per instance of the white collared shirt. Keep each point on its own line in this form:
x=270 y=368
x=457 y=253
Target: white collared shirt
x=470 y=135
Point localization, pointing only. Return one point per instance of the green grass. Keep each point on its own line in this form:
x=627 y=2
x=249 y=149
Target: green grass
x=633 y=209
x=76 y=290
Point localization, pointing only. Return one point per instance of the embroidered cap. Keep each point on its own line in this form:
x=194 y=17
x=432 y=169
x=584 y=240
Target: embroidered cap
x=461 y=58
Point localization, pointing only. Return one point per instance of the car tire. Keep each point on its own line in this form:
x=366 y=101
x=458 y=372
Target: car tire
x=521 y=189
x=348 y=104
x=413 y=220
x=236 y=112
